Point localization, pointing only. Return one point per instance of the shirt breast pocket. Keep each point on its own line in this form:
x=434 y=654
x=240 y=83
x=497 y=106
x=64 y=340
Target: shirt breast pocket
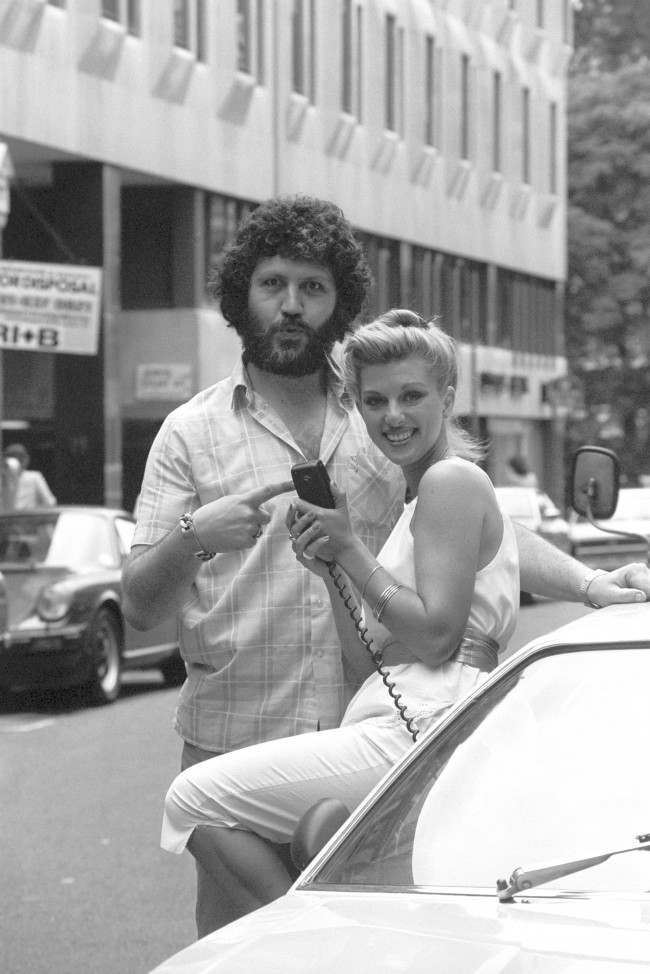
x=374 y=488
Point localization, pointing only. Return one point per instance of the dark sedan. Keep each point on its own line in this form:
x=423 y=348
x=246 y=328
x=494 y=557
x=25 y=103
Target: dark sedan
x=62 y=570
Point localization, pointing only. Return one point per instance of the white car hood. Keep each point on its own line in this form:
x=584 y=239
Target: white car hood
x=382 y=933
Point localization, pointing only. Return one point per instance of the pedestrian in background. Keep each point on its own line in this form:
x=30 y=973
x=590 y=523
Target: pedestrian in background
x=519 y=474
x=32 y=489
x=9 y=473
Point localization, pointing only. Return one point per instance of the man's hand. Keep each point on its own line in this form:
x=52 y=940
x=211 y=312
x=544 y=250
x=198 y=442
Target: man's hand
x=236 y=521
x=631 y=583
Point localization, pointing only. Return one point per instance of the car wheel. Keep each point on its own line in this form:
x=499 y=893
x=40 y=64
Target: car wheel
x=103 y=645
x=173 y=671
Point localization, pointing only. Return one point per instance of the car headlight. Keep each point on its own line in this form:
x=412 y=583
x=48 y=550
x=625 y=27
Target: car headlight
x=53 y=604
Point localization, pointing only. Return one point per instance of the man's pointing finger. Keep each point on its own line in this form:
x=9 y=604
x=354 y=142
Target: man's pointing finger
x=258 y=495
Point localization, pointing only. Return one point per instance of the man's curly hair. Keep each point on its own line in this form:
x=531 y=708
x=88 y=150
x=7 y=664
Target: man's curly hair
x=295 y=228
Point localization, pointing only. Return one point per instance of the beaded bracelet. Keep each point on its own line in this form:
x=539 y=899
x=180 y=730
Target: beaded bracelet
x=384 y=599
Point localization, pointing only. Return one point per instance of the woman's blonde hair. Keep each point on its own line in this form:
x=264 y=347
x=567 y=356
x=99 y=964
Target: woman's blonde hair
x=396 y=335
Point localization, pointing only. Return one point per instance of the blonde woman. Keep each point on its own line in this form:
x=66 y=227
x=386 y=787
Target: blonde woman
x=440 y=600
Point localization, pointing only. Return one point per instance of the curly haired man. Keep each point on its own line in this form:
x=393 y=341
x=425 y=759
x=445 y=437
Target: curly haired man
x=256 y=630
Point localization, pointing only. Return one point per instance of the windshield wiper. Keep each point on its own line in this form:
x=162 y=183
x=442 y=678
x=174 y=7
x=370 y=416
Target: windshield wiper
x=524 y=879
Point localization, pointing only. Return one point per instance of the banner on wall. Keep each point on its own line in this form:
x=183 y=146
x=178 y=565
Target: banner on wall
x=49 y=307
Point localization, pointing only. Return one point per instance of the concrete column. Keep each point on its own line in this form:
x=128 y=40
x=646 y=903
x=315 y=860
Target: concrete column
x=111 y=303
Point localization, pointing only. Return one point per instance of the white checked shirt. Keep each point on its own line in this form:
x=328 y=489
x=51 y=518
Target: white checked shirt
x=258 y=635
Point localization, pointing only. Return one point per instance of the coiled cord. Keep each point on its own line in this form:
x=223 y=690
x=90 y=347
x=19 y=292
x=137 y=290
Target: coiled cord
x=375 y=654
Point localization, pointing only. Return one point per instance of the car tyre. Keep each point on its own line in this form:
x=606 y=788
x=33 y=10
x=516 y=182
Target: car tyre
x=104 y=648
x=173 y=671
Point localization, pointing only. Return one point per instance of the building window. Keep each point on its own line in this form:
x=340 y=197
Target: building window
x=111 y=9
x=351 y=58
x=540 y=14
x=525 y=135
x=261 y=59
x=244 y=43
x=429 y=90
x=303 y=48
x=56 y=3
x=298 y=48
x=181 y=24
x=472 y=302
x=393 y=73
x=497 y=102
x=552 y=148
x=134 y=17
x=190 y=27
x=347 y=71
x=201 y=31
x=125 y=12
x=464 y=106
x=223 y=216
x=360 y=62
x=250 y=38
x=566 y=21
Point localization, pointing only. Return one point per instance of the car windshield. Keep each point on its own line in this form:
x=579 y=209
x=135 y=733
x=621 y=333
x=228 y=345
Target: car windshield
x=68 y=539
x=549 y=764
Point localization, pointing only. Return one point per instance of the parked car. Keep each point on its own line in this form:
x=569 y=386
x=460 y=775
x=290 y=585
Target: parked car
x=62 y=571
x=535 y=510
x=439 y=868
x=506 y=840
x=604 y=550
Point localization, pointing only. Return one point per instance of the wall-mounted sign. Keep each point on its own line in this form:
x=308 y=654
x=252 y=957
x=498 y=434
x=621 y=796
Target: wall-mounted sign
x=49 y=307
x=166 y=381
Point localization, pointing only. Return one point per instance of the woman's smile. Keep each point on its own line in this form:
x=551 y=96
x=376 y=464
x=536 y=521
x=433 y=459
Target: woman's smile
x=399 y=435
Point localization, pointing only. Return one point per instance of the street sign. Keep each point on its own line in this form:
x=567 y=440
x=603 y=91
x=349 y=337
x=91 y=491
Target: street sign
x=165 y=381
x=49 y=307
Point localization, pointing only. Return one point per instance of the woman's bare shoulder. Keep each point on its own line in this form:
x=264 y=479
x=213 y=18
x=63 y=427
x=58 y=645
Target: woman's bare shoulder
x=455 y=473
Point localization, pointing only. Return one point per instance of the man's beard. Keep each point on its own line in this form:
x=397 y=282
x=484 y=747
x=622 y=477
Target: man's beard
x=268 y=352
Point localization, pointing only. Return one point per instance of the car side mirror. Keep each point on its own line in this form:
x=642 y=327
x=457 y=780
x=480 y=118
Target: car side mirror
x=315 y=828
x=595 y=482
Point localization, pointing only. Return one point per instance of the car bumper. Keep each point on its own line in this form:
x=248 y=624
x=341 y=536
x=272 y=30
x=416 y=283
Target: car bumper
x=44 y=659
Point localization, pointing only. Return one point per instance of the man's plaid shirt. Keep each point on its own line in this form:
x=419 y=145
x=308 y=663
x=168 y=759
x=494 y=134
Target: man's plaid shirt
x=258 y=635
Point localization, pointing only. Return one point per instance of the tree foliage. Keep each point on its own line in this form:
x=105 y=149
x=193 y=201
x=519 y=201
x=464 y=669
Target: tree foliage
x=610 y=33
x=608 y=294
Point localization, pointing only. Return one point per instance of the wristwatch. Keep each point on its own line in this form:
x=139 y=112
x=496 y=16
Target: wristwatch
x=584 y=587
x=187 y=527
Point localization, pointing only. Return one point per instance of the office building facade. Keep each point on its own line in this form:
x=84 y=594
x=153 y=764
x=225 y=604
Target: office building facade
x=140 y=132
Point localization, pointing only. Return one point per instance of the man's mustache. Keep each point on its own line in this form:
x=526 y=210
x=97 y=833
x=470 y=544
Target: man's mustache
x=291 y=322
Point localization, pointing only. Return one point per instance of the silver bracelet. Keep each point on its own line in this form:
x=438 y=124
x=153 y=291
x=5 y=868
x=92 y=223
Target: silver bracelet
x=384 y=599
x=365 y=584
x=187 y=527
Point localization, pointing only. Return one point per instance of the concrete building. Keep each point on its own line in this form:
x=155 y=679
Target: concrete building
x=141 y=131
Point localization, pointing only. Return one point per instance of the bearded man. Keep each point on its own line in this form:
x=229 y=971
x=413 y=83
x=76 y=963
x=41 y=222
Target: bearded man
x=256 y=629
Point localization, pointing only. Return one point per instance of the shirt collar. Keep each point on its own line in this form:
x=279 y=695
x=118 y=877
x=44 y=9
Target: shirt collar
x=242 y=394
